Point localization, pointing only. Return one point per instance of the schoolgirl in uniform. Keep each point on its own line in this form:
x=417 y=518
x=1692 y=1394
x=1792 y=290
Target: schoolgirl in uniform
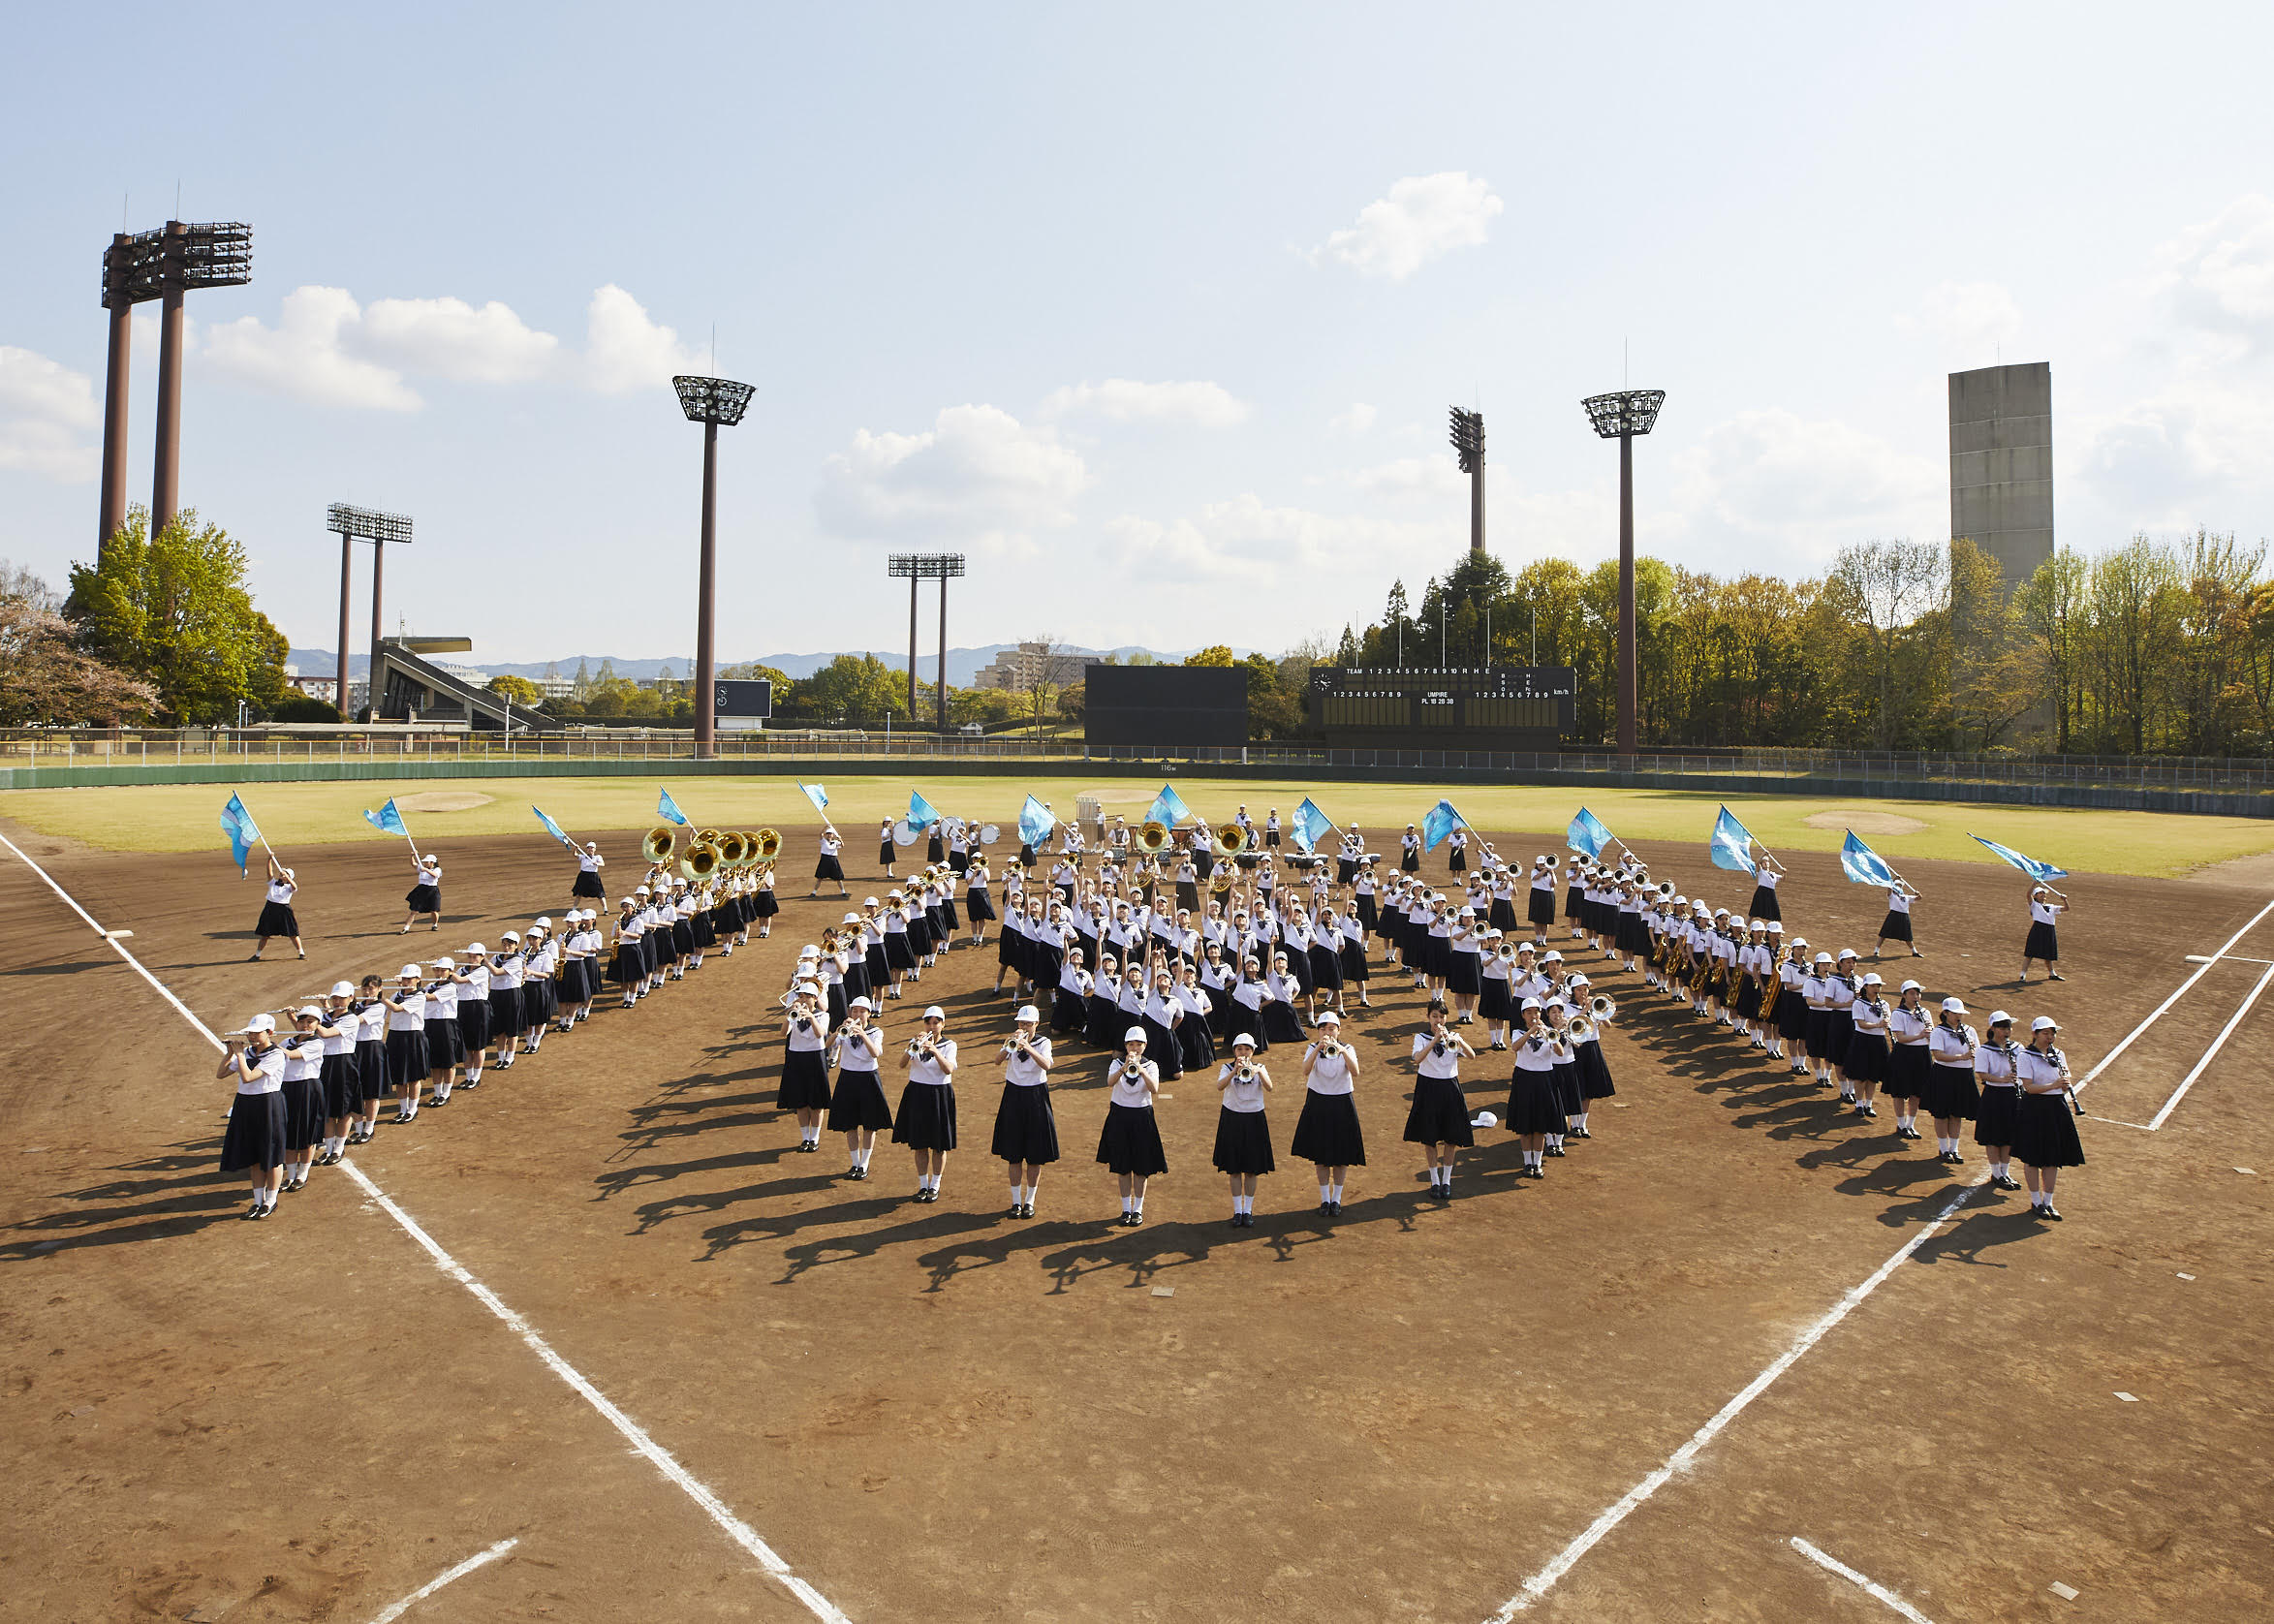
x=828 y=867
x=1026 y=1128
x=1464 y=966
x=1327 y=1134
x=1587 y=1061
x=1866 y=1064
x=1439 y=1121
x=406 y=1042
x=1793 y=1009
x=805 y=1066
x=1069 y=999
x=1160 y=1015
x=1243 y=1133
x=425 y=895
x=1897 y=926
x=1564 y=1076
x=886 y=854
x=1910 y=1060
x=1767 y=875
x=1574 y=898
x=1948 y=1093
x=508 y=967
x=2045 y=1128
x=1409 y=849
x=589 y=864
x=1756 y=966
x=978 y=904
x=1276 y=1014
x=925 y=1122
x=628 y=969
x=2046 y=908
x=858 y=1108
x=443 y=1046
x=1105 y=1004
x=1130 y=1142
x=1533 y=1111
x=762 y=906
x=254 y=1141
x=1196 y=1043
x=343 y=1099
x=370 y=1011
x=1998 y=1109
x=277 y=917
x=301 y=1084
x=473 y=1012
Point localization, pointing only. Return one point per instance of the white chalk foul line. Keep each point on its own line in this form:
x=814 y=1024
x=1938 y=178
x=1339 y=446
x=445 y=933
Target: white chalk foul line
x=2201 y=970
x=733 y=1526
x=1878 y=1592
x=2216 y=1043
x=391 y=1614
x=1564 y=1560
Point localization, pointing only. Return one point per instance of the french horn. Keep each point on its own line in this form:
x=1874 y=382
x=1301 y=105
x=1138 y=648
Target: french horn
x=662 y=842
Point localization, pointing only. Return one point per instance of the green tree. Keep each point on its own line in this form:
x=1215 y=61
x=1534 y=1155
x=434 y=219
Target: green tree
x=175 y=611
x=518 y=689
x=1215 y=654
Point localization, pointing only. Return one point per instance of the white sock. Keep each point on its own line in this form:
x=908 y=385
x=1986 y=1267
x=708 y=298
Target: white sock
x=1127 y=1206
x=1334 y=1191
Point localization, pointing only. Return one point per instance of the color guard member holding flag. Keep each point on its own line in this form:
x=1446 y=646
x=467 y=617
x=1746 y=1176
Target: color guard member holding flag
x=277 y=917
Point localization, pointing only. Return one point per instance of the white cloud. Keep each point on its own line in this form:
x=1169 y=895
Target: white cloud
x=44 y=407
x=450 y=339
x=977 y=474
x=1421 y=218
x=1415 y=476
x=1200 y=403
x=624 y=350
x=2220 y=275
x=306 y=355
x=2168 y=458
x=1352 y=420
x=1968 y=320
x=1244 y=540
x=1792 y=491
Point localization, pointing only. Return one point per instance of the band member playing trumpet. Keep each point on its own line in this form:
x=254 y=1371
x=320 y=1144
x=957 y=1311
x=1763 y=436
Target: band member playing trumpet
x=1534 y=1112
x=858 y=1108
x=1243 y=1135
x=254 y=1142
x=1327 y=1134
x=2045 y=1129
x=1910 y=1031
x=1868 y=1045
x=926 y=1120
x=1439 y=1121
x=805 y=1066
x=1130 y=1143
x=2046 y=908
x=1026 y=1129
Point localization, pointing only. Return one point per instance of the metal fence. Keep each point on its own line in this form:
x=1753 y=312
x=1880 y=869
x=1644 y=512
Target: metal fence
x=112 y=748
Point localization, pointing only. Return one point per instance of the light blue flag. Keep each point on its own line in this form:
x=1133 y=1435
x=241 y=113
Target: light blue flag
x=1587 y=834
x=1733 y=844
x=1863 y=865
x=1167 y=807
x=1311 y=824
x=1441 y=820
x=387 y=820
x=1035 y=823
x=816 y=795
x=667 y=807
x=2036 y=870
x=922 y=814
x=243 y=834
x=554 y=829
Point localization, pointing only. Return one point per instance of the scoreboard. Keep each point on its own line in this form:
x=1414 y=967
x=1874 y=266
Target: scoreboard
x=1525 y=709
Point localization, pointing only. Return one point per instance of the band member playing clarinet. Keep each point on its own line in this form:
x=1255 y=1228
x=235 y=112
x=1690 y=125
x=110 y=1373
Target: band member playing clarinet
x=2045 y=1128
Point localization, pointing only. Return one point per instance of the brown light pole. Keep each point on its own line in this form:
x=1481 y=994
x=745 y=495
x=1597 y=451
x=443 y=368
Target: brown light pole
x=711 y=402
x=1468 y=439
x=1622 y=417
x=914 y=566
x=119 y=300
x=940 y=695
x=911 y=590
x=353 y=524
x=165 y=451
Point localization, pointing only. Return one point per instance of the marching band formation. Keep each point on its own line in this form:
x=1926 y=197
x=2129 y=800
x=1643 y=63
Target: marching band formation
x=1179 y=955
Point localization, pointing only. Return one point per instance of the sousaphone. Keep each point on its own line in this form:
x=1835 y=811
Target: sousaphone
x=734 y=846
x=1152 y=837
x=700 y=861
x=767 y=844
x=1232 y=839
x=661 y=843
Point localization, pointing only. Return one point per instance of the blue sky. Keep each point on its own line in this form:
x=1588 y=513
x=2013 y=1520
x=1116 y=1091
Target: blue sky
x=1154 y=315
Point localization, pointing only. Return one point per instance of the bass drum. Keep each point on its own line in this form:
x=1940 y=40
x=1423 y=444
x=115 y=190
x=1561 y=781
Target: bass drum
x=905 y=833
x=989 y=834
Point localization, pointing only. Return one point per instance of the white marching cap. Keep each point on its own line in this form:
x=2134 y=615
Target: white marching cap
x=871 y=903
x=1999 y=1018
x=307 y=1011
x=443 y=963
x=1953 y=1006
x=850 y=918
x=544 y=921
x=1028 y=1015
x=1554 y=956
x=1846 y=953
x=1484 y=1120
x=640 y=891
x=1137 y=1035
x=286 y=872
x=2045 y=1024
x=1681 y=902
x=933 y=1012
x=1797 y=941
x=1872 y=980
x=1578 y=980
x=408 y=973
x=1330 y=1019
x=259 y=1023
x=629 y=902
x=1913 y=986
x=860 y=1004
x=510 y=936
x=343 y=989
x=1244 y=1039
x=1824 y=958
x=1530 y=1004
x=809 y=950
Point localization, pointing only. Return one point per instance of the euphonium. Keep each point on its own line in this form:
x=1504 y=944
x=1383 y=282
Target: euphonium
x=1220 y=881
x=1153 y=837
x=768 y=842
x=661 y=843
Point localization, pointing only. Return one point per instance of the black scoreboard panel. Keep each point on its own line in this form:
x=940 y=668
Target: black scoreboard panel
x=1506 y=707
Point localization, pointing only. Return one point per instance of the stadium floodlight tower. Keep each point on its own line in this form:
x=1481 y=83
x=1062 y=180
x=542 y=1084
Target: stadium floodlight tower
x=1468 y=439
x=352 y=526
x=137 y=268
x=1621 y=416
x=941 y=566
x=711 y=402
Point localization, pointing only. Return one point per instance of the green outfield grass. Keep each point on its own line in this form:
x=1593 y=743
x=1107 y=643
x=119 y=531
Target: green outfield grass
x=184 y=817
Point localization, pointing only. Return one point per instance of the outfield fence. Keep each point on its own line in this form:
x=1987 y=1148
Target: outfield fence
x=47 y=758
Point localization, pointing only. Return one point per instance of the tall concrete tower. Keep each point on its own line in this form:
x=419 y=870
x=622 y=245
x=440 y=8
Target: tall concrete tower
x=2002 y=464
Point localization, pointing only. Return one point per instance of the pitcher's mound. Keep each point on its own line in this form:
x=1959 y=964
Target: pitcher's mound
x=443 y=801
x=1864 y=822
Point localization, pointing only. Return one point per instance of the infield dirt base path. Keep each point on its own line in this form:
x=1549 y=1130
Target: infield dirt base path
x=936 y=1412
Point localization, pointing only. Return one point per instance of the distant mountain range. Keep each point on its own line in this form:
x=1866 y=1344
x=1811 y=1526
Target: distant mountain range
x=963 y=664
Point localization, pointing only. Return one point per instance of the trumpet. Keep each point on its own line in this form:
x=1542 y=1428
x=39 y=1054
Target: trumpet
x=1580 y=1030
x=1153 y=836
x=661 y=843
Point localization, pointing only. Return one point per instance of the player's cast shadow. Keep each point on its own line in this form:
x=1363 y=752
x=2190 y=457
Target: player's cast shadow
x=1977 y=1229
x=162 y=1197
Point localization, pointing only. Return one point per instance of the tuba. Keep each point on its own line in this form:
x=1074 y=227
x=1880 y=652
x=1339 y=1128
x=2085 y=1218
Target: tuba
x=766 y=845
x=700 y=861
x=1152 y=837
x=661 y=843
x=1232 y=839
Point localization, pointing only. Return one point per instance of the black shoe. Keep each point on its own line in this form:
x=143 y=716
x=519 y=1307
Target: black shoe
x=1334 y=1209
x=1027 y=1211
x=1580 y=1133
x=2056 y=976
x=1553 y=1150
x=2051 y=1212
x=1326 y=1210
x=1016 y=1211
x=1137 y=1220
x=1236 y=1221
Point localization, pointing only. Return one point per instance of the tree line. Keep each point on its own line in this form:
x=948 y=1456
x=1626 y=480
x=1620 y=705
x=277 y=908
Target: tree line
x=2156 y=647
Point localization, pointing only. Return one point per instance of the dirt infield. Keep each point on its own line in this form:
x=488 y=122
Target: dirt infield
x=934 y=1413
